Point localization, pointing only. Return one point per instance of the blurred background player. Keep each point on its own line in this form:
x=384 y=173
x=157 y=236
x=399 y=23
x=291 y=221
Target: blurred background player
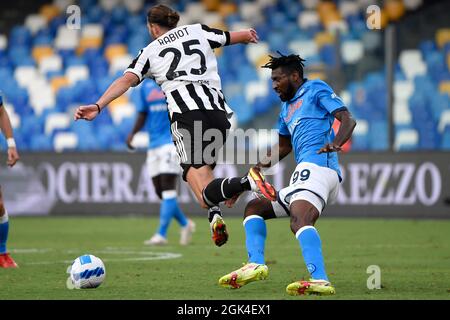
x=5 y=125
x=182 y=61
x=305 y=124
x=162 y=161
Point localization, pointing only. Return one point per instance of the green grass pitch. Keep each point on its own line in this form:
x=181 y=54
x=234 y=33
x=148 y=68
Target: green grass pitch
x=413 y=256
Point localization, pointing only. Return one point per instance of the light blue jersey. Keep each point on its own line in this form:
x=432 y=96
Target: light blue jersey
x=154 y=104
x=307 y=119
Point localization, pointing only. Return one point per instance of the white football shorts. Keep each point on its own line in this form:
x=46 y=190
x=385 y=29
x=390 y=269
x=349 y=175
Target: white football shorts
x=315 y=184
x=163 y=159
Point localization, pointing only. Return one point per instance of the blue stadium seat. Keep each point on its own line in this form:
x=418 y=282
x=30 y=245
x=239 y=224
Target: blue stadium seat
x=378 y=135
x=119 y=15
x=95 y=14
x=427 y=47
x=41 y=142
x=56 y=22
x=328 y=54
x=107 y=136
x=261 y=105
x=42 y=40
x=87 y=143
x=31 y=126
x=244 y=112
x=64 y=98
x=360 y=142
x=20 y=36
x=445 y=142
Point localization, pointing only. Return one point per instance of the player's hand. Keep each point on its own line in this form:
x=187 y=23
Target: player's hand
x=129 y=139
x=252 y=36
x=88 y=112
x=13 y=156
x=329 y=147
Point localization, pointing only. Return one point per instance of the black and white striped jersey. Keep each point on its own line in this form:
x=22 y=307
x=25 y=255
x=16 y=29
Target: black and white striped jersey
x=183 y=63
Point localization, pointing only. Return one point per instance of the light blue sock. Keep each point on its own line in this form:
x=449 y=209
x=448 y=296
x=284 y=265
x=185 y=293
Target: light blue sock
x=255 y=238
x=311 y=246
x=4 y=228
x=167 y=211
x=180 y=216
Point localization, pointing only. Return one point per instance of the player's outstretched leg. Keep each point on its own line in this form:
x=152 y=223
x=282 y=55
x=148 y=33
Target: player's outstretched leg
x=255 y=238
x=229 y=189
x=304 y=213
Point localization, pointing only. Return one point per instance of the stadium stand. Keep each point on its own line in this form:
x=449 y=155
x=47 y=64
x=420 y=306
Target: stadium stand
x=47 y=69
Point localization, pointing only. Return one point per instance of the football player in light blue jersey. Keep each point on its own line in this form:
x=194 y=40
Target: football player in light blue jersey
x=6 y=261
x=305 y=125
x=162 y=161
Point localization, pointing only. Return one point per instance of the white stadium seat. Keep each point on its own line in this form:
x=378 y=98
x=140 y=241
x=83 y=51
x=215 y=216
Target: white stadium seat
x=308 y=19
x=211 y=18
x=405 y=139
x=56 y=121
x=122 y=111
x=3 y=42
x=265 y=3
x=65 y=141
x=184 y=19
x=251 y=12
x=235 y=26
x=35 y=22
x=41 y=96
x=134 y=6
x=310 y=4
x=66 y=38
x=256 y=89
x=256 y=51
x=76 y=73
x=26 y=75
x=402 y=114
x=362 y=128
x=92 y=30
x=352 y=51
x=195 y=11
x=346 y=97
x=412 y=63
x=108 y=5
x=403 y=90
x=348 y=8
x=14 y=118
x=306 y=48
x=120 y=63
x=444 y=120
x=50 y=63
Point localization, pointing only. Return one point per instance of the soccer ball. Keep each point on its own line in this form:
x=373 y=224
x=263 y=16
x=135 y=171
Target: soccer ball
x=87 y=271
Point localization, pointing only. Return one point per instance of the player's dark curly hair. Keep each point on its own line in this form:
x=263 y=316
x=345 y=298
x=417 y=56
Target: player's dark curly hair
x=290 y=63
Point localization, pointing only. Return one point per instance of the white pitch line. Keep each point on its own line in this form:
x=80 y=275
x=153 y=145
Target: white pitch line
x=157 y=256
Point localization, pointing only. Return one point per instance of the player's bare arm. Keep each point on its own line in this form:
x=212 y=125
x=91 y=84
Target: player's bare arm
x=244 y=36
x=115 y=90
x=348 y=124
x=138 y=125
x=5 y=126
x=277 y=152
